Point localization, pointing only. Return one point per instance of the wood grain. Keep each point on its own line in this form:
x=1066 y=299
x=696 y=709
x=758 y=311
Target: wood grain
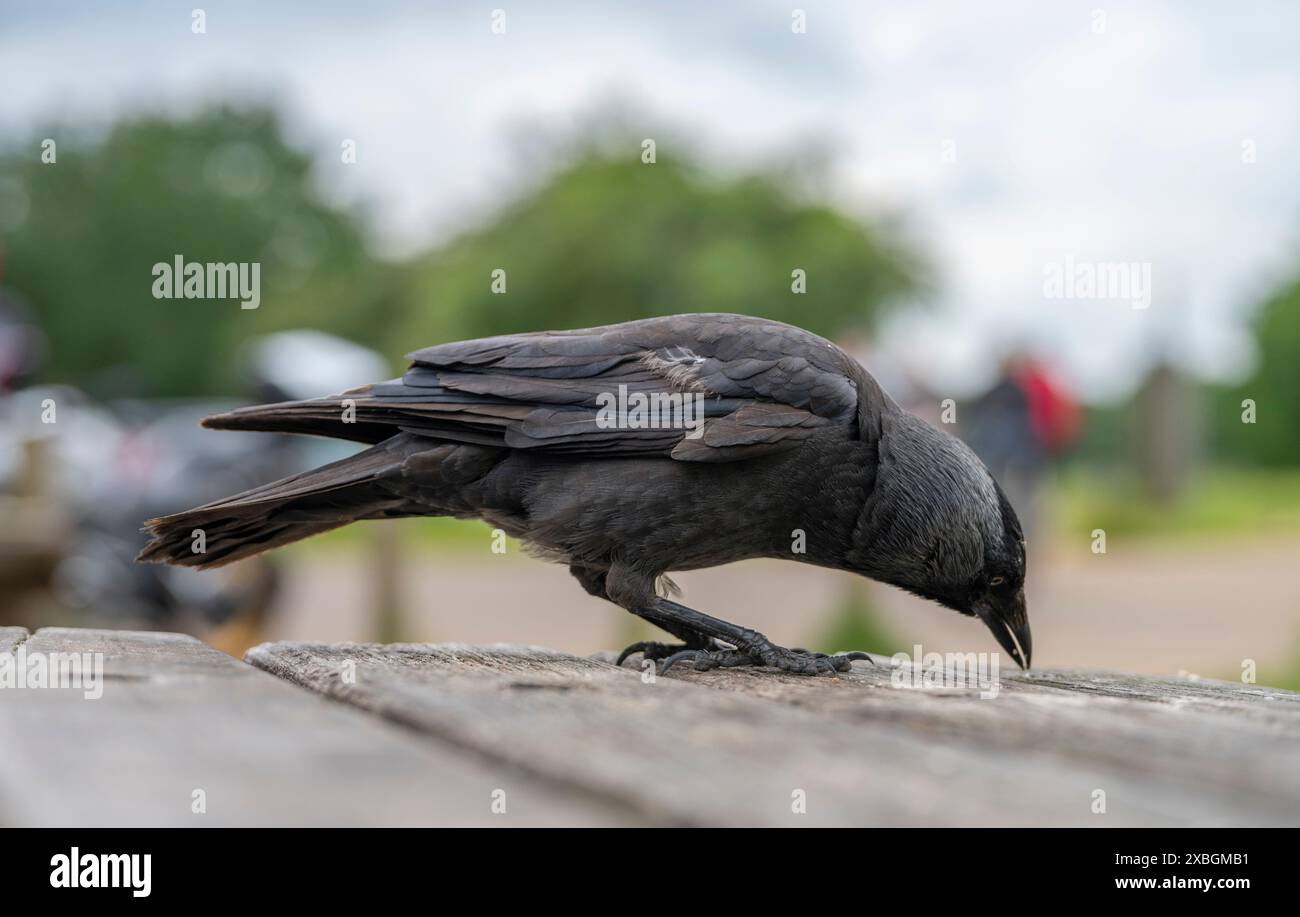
x=737 y=747
x=177 y=716
x=432 y=735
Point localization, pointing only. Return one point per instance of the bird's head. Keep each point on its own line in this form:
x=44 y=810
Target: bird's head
x=938 y=525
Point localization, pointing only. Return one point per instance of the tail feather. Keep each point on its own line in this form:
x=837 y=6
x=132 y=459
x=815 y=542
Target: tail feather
x=318 y=417
x=371 y=414
x=279 y=513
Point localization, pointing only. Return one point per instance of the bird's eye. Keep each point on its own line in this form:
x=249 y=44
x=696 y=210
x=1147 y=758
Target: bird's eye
x=997 y=581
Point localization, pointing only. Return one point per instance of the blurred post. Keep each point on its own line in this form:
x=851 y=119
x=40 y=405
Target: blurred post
x=34 y=476
x=385 y=571
x=32 y=531
x=1166 y=434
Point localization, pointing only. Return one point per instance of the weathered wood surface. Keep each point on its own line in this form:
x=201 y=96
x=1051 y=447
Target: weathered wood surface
x=419 y=734
x=737 y=747
x=177 y=716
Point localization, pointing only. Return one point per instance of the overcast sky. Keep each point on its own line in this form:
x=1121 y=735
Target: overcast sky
x=1008 y=134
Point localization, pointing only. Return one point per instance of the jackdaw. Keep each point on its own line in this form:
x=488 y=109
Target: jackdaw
x=632 y=450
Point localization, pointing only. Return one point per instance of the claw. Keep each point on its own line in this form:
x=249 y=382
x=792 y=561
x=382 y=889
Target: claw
x=640 y=647
x=668 y=663
x=655 y=651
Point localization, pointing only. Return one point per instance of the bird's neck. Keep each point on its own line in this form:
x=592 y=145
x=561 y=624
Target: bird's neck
x=893 y=529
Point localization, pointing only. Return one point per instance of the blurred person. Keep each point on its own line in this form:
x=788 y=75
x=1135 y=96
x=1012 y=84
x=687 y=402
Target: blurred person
x=1027 y=419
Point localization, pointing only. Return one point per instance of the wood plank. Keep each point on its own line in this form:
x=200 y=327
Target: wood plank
x=733 y=747
x=1185 y=739
x=176 y=716
x=10 y=637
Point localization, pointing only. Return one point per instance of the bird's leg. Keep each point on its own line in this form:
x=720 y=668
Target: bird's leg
x=633 y=589
x=593 y=580
x=751 y=647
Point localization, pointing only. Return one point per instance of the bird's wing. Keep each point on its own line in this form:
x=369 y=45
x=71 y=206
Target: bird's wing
x=764 y=387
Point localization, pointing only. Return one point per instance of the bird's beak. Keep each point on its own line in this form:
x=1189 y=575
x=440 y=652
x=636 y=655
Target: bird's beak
x=1009 y=622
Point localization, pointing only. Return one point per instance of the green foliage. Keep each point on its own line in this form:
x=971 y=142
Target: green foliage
x=856 y=626
x=1219 y=501
x=607 y=239
x=611 y=239
x=221 y=186
x=1274 y=437
x=1289 y=676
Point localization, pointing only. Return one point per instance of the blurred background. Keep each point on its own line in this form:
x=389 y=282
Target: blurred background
x=928 y=167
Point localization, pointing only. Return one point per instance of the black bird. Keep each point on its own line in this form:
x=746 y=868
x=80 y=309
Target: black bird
x=800 y=455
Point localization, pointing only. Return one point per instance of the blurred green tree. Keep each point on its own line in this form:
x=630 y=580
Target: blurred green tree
x=84 y=232
x=606 y=239
x=610 y=238
x=1273 y=387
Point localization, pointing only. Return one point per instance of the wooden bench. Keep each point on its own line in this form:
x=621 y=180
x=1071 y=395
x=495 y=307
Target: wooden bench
x=506 y=735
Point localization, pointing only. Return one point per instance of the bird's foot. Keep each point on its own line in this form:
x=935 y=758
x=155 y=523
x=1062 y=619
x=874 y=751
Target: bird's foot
x=653 y=651
x=762 y=652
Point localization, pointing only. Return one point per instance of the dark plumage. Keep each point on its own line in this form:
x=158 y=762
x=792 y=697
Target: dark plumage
x=796 y=436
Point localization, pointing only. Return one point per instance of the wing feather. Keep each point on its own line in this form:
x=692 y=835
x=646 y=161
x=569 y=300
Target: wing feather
x=765 y=387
